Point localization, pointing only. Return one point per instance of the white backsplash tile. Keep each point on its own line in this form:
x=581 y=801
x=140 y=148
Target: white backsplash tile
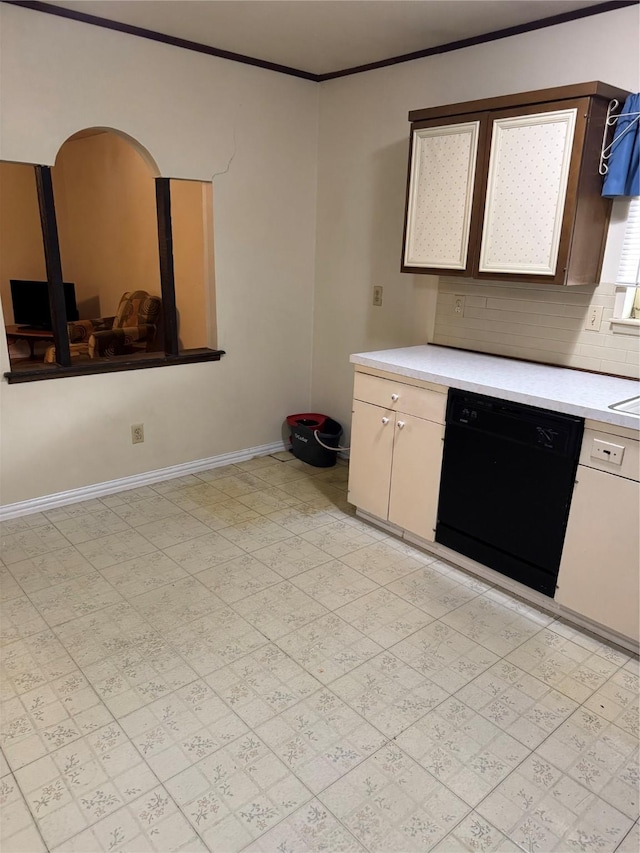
x=537 y=323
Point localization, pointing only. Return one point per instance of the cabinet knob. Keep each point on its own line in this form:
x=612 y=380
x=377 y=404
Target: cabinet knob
x=395 y=397
x=385 y=421
x=400 y=424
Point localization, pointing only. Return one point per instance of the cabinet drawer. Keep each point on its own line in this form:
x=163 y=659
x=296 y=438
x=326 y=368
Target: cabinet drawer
x=420 y=402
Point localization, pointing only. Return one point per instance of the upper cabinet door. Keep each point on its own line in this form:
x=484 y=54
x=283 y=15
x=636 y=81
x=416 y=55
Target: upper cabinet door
x=508 y=188
x=440 y=196
x=529 y=167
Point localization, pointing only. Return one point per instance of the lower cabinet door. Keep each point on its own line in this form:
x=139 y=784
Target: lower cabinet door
x=600 y=569
x=415 y=475
x=370 y=458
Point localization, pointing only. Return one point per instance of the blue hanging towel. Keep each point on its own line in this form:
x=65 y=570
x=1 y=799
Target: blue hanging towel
x=623 y=177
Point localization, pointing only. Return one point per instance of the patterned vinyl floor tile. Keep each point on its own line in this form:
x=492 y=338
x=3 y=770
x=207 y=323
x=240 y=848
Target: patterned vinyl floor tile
x=232 y=661
x=390 y=803
x=320 y=739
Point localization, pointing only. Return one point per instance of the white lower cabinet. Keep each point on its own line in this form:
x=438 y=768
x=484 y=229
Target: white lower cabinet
x=372 y=429
x=397 y=434
x=396 y=452
x=415 y=475
x=600 y=569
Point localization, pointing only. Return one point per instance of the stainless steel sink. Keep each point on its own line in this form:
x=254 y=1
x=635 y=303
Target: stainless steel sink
x=631 y=406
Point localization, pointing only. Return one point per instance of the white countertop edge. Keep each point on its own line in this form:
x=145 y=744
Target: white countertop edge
x=456 y=369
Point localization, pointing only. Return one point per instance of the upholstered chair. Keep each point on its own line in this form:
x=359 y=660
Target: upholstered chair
x=133 y=329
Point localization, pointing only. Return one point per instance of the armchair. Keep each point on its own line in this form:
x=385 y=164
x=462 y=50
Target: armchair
x=133 y=328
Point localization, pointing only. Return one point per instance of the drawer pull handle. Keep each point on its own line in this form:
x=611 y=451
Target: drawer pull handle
x=395 y=397
x=385 y=421
x=400 y=424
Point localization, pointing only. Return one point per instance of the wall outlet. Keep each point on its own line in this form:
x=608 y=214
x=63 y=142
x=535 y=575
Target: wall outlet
x=377 y=296
x=137 y=433
x=458 y=305
x=607 y=451
x=593 y=319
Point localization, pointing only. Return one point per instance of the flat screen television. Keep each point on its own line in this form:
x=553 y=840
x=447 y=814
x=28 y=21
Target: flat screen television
x=31 y=303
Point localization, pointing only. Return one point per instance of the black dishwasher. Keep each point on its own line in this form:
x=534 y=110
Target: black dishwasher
x=507 y=476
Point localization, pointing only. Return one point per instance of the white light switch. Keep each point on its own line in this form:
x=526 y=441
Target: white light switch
x=593 y=320
x=607 y=451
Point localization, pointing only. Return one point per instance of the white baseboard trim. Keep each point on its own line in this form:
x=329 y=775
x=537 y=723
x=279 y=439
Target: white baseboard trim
x=85 y=493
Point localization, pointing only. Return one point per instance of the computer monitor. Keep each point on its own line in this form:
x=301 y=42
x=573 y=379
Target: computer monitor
x=31 y=303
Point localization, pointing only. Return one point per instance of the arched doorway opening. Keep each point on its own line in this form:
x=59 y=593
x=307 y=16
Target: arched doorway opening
x=112 y=227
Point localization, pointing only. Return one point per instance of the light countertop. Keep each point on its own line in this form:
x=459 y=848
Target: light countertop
x=561 y=389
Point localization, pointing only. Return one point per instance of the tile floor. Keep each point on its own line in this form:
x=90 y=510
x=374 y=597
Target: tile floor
x=233 y=661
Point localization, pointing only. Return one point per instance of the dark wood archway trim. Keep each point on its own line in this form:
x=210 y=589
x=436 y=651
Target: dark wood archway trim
x=53 y=264
x=117 y=365
x=171 y=356
x=167 y=277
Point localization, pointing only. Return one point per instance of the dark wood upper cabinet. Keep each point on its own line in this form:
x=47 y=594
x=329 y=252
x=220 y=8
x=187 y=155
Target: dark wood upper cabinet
x=508 y=188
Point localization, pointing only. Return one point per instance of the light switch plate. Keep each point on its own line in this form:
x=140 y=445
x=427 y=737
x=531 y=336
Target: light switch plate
x=593 y=320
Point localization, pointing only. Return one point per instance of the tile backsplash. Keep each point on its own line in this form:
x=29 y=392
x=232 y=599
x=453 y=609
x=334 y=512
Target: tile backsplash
x=538 y=323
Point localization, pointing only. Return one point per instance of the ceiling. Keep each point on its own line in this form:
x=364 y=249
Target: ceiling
x=323 y=36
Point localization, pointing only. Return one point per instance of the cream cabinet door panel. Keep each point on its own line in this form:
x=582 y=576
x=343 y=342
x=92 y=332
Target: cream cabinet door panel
x=415 y=475
x=443 y=167
x=370 y=458
x=600 y=570
x=526 y=191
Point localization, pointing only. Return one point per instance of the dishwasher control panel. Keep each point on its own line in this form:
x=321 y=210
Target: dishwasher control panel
x=546 y=430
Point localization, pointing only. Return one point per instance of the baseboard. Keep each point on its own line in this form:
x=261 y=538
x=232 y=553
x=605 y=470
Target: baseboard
x=98 y=490
x=530 y=596
x=387 y=526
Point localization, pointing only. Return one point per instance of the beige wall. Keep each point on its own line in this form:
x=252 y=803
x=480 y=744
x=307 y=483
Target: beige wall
x=21 y=249
x=267 y=144
x=255 y=133
x=106 y=211
x=190 y=204
x=363 y=154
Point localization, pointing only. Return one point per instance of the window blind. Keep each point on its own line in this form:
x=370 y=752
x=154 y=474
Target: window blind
x=629 y=269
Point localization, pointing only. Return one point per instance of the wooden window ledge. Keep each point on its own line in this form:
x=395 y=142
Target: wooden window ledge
x=40 y=371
